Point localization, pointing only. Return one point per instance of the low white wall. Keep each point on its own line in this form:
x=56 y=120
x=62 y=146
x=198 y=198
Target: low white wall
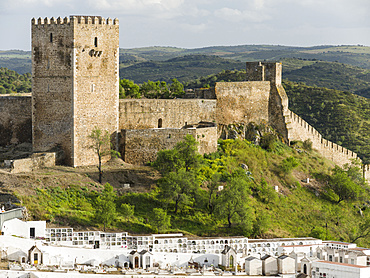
x=16 y=227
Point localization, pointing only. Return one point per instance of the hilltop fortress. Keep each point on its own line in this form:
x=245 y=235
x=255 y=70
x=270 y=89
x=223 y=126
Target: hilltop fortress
x=75 y=64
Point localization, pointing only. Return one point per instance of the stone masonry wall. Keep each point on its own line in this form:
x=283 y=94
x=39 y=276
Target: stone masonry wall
x=299 y=129
x=141 y=146
x=15 y=119
x=75 y=84
x=95 y=82
x=52 y=67
x=242 y=102
x=165 y=113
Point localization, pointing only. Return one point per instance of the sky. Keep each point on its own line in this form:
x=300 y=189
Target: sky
x=201 y=23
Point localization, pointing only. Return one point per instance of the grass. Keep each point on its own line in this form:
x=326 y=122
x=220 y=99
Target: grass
x=298 y=210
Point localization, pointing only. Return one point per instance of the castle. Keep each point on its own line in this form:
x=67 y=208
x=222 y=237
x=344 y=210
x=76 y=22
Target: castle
x=75 y=64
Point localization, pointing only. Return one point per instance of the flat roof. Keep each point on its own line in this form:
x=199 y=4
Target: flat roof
x=343 y=264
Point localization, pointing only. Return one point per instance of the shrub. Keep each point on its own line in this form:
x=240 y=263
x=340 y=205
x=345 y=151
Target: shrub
x=307 y=145
x=289 y=164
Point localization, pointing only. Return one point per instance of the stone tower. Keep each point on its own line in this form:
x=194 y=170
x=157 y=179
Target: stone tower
x=75 y=64
x=278 y=100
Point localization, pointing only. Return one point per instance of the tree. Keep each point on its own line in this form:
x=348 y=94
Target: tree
x=105 y=206
x=261 y=225
x=233 y=200
x=127 y=210
x=168 y=161
x=156 y=89
x=178 y=187
x=101 y=146
x=212 y=186
x=188 y=152
x=128 y=89
x=183 y=155
x=176 y=88
x=362 y=231
x=160 y=220
x=343 y=187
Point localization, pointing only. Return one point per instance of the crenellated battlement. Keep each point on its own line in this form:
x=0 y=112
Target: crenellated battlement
x=73 y=19
x=299 y=129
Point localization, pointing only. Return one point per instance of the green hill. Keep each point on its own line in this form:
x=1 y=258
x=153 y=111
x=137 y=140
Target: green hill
x=183 y=68
x=354 y=55
x=330 y=75
x=70 y=197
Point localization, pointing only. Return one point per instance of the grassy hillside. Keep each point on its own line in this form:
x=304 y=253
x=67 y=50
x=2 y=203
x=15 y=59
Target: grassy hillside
x=66 y=196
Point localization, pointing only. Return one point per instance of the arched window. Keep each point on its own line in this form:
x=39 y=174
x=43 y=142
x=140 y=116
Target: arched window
x=96 y=41
x=231 y=261
x=159 y=123
x=305 y=269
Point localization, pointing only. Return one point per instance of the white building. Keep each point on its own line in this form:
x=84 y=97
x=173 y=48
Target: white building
x=26 y=229
x=338 y=270
x=253 y=266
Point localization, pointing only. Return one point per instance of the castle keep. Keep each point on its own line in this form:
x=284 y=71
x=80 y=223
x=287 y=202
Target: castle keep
x=75 y=84
x=75 y=64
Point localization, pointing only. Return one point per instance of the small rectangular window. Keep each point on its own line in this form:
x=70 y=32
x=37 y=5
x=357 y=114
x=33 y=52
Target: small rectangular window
x=96 y=41
x=51 y=37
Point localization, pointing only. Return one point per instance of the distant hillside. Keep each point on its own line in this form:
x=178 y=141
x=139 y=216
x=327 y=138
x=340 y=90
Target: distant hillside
x=329 y=75
x=352 y=55
x=17 y=60
x=183 y=68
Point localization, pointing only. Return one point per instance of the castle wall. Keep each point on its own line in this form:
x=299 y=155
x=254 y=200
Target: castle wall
x=141 y=145
x=15 y=119
x=299 y=129
x=165 y=113
x=242 y=102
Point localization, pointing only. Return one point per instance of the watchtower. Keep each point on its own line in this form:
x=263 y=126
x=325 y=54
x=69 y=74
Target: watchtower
x=75 y=85
x=268 y=71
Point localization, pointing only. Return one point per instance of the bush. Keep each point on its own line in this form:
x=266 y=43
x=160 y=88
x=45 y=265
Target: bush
x=307 y=145
x=289 y=164
x=268 y=141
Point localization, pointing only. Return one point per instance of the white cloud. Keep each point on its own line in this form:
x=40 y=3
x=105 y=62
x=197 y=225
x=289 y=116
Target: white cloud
x=202 y=22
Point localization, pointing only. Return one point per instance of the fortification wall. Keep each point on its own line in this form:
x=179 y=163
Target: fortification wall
x=15 y=119
x=299 y=129
x=164 y=113
x=141 y=145
x=242 y=102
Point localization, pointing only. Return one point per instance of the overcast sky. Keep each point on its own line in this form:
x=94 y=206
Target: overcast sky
x=200 y=23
